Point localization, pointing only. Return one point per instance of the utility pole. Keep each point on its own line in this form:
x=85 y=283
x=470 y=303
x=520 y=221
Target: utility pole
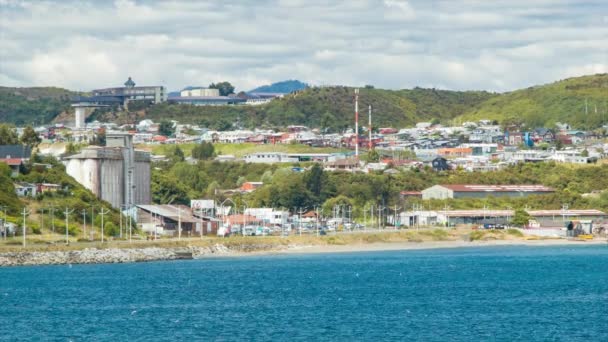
x=317 y=219
x=53 y=218
x=380 y=209
x=395 y=217
x=67 y=213
x=25 y=212
x=92 y=223
x=120 y=220
x=42 y=219
x=371 y=145
x=445 y=212
x=371 y=209
x=300 y=212
x=201 y=218
x=84 y=222
x=179 y=222
x=4 y=228
x=357 y=124
x=130 y=225
x=364 y=218
x=102 y=212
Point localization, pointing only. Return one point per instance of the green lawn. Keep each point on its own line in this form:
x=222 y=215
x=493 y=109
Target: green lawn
x=239 y=150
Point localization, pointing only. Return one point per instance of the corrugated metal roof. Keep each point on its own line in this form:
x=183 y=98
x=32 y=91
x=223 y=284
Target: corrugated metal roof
x=497 y=188
x=477 y=213
x=573 y=212
x=170 y=211
x=15 y=151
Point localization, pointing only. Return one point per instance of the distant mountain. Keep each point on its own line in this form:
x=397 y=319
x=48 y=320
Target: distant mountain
x=284 y=87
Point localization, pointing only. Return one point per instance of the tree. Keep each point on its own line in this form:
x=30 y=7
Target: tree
x=314 y=179
x=178 y=154
x=7 y=135
x=225 y=88
x=213 y=189
x=203 y=151
x=165 y=128
x=520 y=218
x=30 y=137
x=166 y=190
x=222 y=124
x=585 y=153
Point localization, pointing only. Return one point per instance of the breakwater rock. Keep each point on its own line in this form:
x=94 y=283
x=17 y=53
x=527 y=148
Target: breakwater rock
x=114 y=255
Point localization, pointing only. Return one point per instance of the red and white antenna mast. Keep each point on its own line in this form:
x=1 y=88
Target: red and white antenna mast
x=357 y=123
x=369 y=128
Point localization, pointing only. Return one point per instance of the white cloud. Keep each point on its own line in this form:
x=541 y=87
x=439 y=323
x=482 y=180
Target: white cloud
x=389 y=43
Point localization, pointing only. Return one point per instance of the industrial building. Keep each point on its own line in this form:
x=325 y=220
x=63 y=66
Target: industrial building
x=115 y=173
x=170 y=219
x=443 y=191
x=207 y=100
x=200 y=92
x=553 y=218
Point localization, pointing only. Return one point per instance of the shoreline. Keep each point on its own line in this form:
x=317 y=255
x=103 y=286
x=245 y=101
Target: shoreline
x=145 y=254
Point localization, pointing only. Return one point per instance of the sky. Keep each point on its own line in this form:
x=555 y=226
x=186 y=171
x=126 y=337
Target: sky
x=459 y=45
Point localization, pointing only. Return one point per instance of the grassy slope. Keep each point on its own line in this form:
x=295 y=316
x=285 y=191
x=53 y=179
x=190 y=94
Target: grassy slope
x=33 y=106
x=562 y=101
x=77 y=198
x=239 y=150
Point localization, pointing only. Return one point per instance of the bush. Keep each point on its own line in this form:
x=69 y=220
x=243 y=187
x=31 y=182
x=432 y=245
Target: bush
x=477 y=235
x=514 y=232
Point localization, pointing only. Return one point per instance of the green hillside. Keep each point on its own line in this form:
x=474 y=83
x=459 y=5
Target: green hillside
x=562 y=101
x=71 y=195
x=33 y=106
x=331 y=107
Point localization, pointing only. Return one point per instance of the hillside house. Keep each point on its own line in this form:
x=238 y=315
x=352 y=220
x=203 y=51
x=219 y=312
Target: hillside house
x=15 y=156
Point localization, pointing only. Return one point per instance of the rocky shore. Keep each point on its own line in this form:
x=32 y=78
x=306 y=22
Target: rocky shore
x=110 y=255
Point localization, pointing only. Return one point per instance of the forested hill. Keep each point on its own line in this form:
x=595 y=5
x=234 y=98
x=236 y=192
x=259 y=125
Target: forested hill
x=562 y=101
x=333 y=107
x=32 y=106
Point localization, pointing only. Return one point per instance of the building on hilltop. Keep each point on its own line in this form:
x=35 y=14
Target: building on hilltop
x=443 y=191
x=155 y=94
x=116 y=173
x=199 y=92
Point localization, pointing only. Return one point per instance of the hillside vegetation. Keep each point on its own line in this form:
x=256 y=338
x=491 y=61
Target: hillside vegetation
x=33 y=106
x=562 y=101
x=333 y=107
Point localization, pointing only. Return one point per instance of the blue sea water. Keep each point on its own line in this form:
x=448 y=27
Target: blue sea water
x=466 y=294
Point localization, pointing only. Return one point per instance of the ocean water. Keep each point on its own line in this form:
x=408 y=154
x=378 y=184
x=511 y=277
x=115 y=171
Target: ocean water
x=466 y=294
